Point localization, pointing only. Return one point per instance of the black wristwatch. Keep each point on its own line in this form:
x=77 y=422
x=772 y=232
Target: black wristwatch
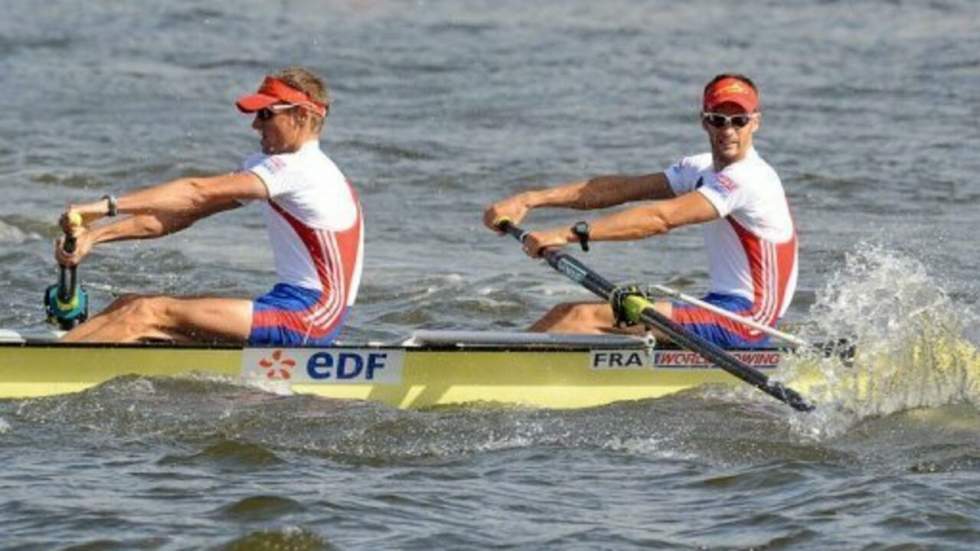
x=111 y=206
x=581 y=230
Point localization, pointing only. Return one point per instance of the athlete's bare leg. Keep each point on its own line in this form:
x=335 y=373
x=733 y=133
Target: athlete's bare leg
x=134 y=318
x=589 y=317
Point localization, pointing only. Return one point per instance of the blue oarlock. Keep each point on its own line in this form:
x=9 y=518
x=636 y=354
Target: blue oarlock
x=67 y=307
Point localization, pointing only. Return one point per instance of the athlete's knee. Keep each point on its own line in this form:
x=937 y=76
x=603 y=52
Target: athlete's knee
x=145 y=311
x=121 y=301
x=577 y=312
x=574 y=317
x=560 y=311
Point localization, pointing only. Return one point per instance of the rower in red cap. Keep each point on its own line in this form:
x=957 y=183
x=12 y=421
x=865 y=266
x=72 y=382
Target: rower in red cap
x=730 y=191
x=312 y=214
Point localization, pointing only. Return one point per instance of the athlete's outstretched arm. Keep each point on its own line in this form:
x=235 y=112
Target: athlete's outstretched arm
x=634 y=223
x=595 y=193
x=140 y=226
x=193 y=197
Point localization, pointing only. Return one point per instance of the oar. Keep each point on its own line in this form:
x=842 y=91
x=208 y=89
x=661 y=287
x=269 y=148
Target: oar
x=641 y=309
x=66 y=302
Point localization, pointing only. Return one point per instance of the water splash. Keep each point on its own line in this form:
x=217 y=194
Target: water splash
x=882 y=297
x=911 y=351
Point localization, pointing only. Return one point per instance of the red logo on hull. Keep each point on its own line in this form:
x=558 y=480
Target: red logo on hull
x=279 y=366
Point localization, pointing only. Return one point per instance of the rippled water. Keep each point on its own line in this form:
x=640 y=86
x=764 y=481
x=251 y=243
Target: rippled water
x=442 y=107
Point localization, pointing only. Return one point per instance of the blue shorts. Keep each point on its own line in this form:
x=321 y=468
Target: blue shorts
x=717 y=329
x=289 y=315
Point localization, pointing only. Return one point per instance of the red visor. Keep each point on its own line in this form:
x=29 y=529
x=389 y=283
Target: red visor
x=731 y=90
x=275 y=91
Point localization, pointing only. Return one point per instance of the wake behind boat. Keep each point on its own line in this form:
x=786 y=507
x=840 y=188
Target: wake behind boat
x=429 y=368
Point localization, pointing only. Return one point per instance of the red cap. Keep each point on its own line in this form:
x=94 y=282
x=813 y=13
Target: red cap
x=275 y=91
x=731 y=90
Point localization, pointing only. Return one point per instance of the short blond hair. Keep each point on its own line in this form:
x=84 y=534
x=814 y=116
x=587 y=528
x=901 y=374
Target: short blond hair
x=309 y=83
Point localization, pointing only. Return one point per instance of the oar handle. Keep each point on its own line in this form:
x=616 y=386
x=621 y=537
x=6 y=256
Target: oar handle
x=563 y=262
x=508 y=227
x=71 y=242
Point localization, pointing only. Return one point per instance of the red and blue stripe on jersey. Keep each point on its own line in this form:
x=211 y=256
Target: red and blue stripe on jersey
x=291 y=315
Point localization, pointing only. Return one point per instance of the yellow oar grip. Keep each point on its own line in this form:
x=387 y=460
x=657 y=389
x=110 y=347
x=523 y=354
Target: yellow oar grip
x=74 y=219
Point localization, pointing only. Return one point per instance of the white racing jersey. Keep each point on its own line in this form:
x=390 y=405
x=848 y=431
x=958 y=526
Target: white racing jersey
x=752 y=246
x=314 y=221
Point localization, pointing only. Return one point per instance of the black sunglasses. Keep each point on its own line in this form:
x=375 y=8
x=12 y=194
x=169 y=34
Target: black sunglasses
x=720 y=120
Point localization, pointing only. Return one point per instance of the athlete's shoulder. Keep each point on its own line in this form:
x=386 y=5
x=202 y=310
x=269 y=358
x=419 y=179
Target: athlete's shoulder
x=329 y=166
x=253 y=160
x=698 y=162
x=688 y=173
x=316 y=162
x=271 y=164
x=753 y=170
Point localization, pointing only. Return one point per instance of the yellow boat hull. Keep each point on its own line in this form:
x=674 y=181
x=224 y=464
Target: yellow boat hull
x=458 y=367
x=552 y=378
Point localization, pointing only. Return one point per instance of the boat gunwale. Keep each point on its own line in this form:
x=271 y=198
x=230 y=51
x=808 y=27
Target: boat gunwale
x=430 y=347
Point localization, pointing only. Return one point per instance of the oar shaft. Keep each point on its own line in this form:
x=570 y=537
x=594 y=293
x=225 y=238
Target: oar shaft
x=67 y=277
x=786 y=337
x=582 y=274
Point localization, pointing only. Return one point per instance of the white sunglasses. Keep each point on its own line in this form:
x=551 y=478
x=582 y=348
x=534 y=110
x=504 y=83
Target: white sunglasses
x=721 y=120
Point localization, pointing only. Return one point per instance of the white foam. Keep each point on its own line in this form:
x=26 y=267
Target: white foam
x=650 y=447
x=911 y=348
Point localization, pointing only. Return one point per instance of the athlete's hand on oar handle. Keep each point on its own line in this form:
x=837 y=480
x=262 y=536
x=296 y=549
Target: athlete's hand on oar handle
x=88 y=213
x=71 y=248
x=536 y=242
x=512 y=209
